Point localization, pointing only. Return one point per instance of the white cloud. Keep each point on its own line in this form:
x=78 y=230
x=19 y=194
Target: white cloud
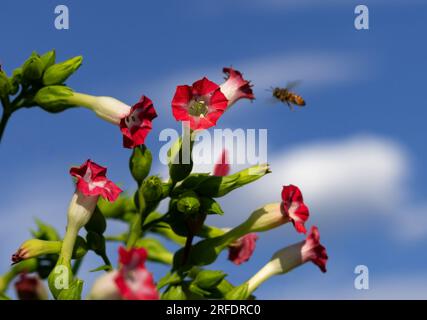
x=335 y=176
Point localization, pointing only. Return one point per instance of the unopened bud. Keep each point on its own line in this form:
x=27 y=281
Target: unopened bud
x=58 y=73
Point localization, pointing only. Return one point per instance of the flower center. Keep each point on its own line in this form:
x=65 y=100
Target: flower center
x=198 y=108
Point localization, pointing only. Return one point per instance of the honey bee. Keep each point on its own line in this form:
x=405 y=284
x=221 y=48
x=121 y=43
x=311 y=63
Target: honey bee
x=287 y=96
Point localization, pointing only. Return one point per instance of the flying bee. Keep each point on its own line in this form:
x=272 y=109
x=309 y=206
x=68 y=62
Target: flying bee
x=287 y=96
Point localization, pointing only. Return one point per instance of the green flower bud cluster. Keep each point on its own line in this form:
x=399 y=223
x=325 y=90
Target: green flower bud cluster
x=39 y=81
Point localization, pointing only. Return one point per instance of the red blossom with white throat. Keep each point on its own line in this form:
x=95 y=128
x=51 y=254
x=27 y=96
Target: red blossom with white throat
x=293 y=205
x=138 y=123
x=201 y=104
x=236 y=87
x=133 y=280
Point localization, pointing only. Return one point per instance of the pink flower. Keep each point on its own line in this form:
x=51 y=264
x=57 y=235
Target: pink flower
x=293 y=206
x=235 y=87
x=133 y=280
x=202 y=104
x=222 y=167
x=92 y=181
x=137 y=124
x=241 y=250
x=302 y=252
x=313 y=251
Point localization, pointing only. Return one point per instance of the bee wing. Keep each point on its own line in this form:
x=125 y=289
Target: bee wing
x=293 y=84
x=272 y=100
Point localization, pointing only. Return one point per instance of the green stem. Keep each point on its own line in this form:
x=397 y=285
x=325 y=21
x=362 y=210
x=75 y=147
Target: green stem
x=117 y=238
x=4 y=119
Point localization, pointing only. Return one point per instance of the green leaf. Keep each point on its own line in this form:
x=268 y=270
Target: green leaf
x=210 y=206
x=102 y=268
x=74 y=292
x=97 y=222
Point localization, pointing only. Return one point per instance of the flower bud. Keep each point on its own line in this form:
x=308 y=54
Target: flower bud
x=188 y=203
x=58 y=73
x=33 y=68
x=174 y=293
x=34 y=248
x=208 y=279
x=48 y=59
x=214 y=186
x=5 y=84
x=15 y=80
x=74 y=292
x=152 y=189
x=140 y=163
x=54 y=98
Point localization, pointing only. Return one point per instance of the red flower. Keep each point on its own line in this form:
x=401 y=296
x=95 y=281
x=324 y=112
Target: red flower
x=241 y=250
x=202 y=104
x=235 y=87
x=133 y=280
x=294 y=207
x=313 y=251
x=91 y=181
x=222 y=167
x=137 y=124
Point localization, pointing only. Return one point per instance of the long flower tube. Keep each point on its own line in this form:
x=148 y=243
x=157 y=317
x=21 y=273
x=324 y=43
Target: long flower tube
x=91 y=184
x=292 y=257
x=135 y=122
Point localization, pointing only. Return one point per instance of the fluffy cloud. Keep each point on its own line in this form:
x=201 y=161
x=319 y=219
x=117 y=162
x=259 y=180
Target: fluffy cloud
x=358 y=172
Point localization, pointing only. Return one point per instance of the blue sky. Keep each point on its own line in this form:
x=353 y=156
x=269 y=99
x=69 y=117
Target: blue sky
x=357 y=151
